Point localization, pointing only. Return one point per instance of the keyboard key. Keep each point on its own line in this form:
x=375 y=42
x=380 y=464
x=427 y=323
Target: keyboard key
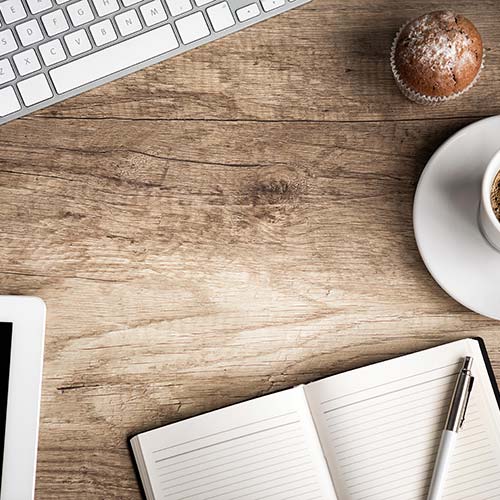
x=178 y=7
x=34 y=90
x=59 y=2
x=55 y=22
x=268 y=5
x=128 y=22
x=248 y=12
x=8 y=101
x=105 y=7
x=27 y=62
x=80 y=13
x=114 y=58
x=103 y=32
x=78 y=42
x=128 y=3
x=153 y=13
x=7 y=42
x=192 y=28
x=29 y=32
x=200 y=3
x=12 y=11
x=52 y=52
x=37 y=6
x=220 y=16
x=6 y=71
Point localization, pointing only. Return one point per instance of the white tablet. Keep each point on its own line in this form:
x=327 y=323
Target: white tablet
x=22 y=328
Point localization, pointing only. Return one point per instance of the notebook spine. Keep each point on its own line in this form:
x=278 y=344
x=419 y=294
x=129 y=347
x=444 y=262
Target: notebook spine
x=489 y=368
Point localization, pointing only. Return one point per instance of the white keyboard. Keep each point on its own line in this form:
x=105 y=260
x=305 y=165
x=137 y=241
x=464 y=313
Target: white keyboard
x=54 y=49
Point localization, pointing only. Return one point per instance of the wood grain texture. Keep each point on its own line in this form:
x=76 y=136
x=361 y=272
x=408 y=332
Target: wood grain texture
x=229 y=223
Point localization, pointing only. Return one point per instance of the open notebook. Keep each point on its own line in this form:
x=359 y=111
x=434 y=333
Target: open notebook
x=367 y=434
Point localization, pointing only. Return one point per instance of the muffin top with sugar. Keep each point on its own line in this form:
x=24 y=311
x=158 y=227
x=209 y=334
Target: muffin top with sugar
x=438 y=54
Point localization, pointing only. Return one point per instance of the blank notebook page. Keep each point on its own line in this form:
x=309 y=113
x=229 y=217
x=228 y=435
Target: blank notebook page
x=266 y=448
x=380 y=427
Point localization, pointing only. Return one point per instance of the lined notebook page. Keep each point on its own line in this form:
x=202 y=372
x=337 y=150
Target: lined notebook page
x=265 y=449
x=380 y=427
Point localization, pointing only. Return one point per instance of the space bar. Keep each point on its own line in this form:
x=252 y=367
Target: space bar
x=112 y=59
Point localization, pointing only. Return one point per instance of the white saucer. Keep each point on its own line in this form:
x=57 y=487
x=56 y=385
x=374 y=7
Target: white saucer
x=445 y=218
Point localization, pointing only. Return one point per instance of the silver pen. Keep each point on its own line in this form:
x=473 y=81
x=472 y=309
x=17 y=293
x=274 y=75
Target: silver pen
x=454 y=421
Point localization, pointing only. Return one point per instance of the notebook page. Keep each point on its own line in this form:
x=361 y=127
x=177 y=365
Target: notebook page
x=380 y=427
x=266 y=448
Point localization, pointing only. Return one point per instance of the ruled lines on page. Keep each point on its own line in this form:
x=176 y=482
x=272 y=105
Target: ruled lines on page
x=386 y=446
x=256 y=451
x=382 y=440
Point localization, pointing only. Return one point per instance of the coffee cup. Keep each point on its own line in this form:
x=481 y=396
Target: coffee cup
x=488 y=222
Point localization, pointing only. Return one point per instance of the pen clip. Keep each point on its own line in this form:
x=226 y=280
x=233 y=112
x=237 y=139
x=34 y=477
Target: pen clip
x=462 y=417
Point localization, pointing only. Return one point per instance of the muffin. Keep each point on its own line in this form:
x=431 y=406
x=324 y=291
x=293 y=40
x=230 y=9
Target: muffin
x=437 y=57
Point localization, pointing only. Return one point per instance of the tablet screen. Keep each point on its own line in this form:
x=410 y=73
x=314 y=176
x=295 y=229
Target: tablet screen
x=5 y=349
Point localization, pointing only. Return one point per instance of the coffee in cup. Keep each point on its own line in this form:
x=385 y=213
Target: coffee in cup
x=495 y=196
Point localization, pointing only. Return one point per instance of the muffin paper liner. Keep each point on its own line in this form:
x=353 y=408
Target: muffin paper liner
x=417 y=96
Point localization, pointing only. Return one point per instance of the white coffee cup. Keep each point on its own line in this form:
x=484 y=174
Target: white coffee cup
x=490 y=226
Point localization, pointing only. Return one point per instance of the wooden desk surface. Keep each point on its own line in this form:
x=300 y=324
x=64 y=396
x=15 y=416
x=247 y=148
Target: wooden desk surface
x=229 y=223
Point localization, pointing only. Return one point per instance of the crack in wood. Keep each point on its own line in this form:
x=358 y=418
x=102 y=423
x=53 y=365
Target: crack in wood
x=75 y=387
x=260 y=120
